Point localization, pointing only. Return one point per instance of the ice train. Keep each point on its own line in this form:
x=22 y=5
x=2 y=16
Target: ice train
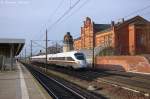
x=72 y=59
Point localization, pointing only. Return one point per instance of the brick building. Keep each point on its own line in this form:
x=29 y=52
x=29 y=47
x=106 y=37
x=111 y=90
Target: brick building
x=127 y=36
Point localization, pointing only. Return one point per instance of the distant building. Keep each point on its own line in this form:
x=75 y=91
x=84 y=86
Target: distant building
x=56 y=48
x=128 y=37
x=68 y=42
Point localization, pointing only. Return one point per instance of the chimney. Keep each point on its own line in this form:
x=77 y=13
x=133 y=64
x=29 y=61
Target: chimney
x=112 y=23
x=122 y=20
x=84 y=23
x=81 y=29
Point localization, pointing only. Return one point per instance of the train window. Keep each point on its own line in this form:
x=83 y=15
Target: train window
x=70 y=59
x=61 y=58
x=79 y=56
x=50 y=58
x=57 y=58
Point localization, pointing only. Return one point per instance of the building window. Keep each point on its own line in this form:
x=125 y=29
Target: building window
x=140 y=39
x=110 y=40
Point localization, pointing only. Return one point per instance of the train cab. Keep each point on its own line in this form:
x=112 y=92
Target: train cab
x=80 y=59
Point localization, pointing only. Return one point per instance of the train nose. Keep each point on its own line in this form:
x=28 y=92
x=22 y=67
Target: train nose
x=83 y=63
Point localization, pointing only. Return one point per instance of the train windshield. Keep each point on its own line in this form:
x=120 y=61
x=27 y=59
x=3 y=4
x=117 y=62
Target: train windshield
x=79 y=56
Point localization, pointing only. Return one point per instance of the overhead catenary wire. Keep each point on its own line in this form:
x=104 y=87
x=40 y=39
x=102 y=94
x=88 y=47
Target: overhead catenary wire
x=38 y=45
x=70 y=3
x=71 y=7
x=63 y=15
x=70 y=15
x=147 y=13
x=42 y=35
x=82 y=5
x=137 y=11
x=54 y=12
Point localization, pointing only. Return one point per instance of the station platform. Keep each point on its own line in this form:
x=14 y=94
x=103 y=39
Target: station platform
x=20 y=84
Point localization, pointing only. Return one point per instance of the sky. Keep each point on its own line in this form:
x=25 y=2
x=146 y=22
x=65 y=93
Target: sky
x=28 y=19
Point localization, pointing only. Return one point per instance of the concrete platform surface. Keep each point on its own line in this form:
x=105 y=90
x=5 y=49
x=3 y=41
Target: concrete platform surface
x=20 y=84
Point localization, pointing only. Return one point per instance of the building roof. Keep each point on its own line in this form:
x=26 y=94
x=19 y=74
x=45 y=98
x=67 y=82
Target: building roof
x=135 y=19
x=100 y=27
x=10 y=41
x=6 y=43
x=104 y=31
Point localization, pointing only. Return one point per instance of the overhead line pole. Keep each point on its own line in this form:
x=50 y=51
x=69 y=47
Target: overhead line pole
x=46 y=50
x=31 y=48
x=25 y=54
x=70 y=3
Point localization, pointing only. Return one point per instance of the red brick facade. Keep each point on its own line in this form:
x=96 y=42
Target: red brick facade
x=123 y=63
x=129 y=37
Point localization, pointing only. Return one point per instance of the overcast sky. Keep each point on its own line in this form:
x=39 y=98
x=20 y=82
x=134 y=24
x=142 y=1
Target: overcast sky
x=28 y=19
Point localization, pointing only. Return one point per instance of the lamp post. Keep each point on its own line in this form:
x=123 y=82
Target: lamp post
x=25 y=54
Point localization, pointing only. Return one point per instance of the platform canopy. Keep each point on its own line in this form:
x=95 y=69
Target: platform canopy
x=11 y=47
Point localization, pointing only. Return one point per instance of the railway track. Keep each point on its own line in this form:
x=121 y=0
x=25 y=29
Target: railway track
x=137 y=82
x=59 y=89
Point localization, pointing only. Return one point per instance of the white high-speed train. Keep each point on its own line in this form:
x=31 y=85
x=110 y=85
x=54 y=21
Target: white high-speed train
x=72 y=59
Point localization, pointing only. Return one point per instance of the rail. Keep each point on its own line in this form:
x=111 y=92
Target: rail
x=57 y=89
